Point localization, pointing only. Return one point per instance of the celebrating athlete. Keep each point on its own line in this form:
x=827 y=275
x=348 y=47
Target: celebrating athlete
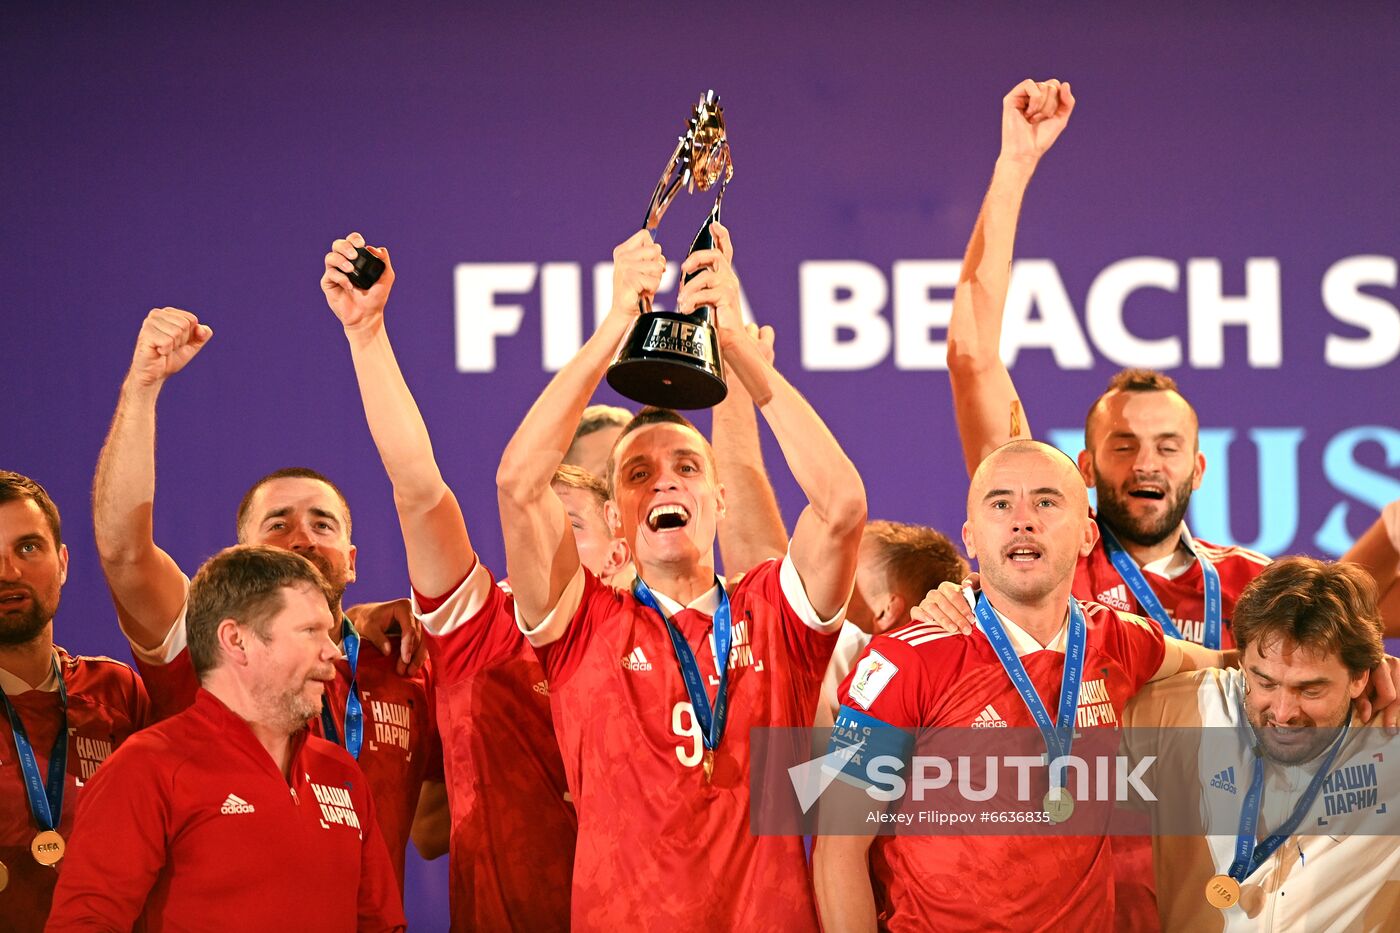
x=655 y=689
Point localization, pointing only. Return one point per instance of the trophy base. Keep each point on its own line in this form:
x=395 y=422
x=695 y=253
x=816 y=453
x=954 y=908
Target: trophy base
x=667 y=384
x=670 y=360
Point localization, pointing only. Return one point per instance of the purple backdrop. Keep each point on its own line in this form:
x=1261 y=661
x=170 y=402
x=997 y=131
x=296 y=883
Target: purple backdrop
x=205 y=156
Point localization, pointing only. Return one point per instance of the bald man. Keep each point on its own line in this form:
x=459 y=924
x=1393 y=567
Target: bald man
x=1028 y=524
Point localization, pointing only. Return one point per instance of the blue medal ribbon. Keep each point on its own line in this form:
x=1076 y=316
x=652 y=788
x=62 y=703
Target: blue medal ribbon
x=354 y=710
x=711 y=719
x=45 y=797
x=1249 y=853
x=1142 y=591
x=1059 y=735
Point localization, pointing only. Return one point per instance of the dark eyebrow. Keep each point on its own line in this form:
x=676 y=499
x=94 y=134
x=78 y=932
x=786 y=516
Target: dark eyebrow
x=278 y=513
x=1260 y=674
x=32 y=536
x=1047 y=491
x=994 y=493
x=322 y=513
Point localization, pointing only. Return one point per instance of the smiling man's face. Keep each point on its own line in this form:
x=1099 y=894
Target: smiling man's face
x=1296 y=697
x=667 y=495
x=1141 y=455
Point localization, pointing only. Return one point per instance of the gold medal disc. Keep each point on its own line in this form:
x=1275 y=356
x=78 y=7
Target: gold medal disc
x=47 y=847
x=4 y=876
x=1058 y=804
x=1222 y=892
x=709 y=766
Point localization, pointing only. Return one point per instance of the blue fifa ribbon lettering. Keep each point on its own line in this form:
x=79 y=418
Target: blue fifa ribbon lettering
x=711 y=719
x=1250 y=854
x=354 y=710
x=1142 y=591
x=1059 y=735
x=45 y=797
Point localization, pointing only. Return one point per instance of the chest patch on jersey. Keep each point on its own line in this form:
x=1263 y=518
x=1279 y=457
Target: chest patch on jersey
x=873 y=674
x=337 y=806
x=393 y=723
x=91 y=753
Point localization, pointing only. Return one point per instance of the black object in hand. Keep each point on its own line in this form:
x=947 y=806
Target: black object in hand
x=368 y=269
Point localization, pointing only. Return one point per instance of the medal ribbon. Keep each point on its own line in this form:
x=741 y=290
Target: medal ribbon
x=1142 y=590
x=45 y=797
x=354 y=710
x=1249 y=853
x=711 y=719
x=1059 y=735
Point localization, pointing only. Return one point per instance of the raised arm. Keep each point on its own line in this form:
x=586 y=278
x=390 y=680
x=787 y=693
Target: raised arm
x=985 y=401
x=827 y=536
x=147 y=585
x=434 y=532
x=753 y=530
x=541 y=557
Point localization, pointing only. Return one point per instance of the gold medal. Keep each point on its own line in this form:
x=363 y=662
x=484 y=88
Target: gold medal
x=4 y=876
x=1058 y=804
x=1222 y=892
x=709 y=766
x=47 y=847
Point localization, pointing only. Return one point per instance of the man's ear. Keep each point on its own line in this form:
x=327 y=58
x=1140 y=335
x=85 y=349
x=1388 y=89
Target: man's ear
x=719 y=501
x=1091 y=537
x=1199 y=472
x=968 y=547
x=232 y=639
x=1358 y=684
x=896 y=611
x=613 y=518
x=62 y=564
x=1086 y=467
x=619 y=556
x=350 y=565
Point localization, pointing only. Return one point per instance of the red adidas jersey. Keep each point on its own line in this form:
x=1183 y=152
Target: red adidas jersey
x=400 y=747
x=1182 y=596
x=965 y=882
x=659 y=848
x=106 y=704
x=192 y=824
x=513 y=824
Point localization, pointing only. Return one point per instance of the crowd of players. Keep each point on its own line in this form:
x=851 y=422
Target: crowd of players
x=573 y=743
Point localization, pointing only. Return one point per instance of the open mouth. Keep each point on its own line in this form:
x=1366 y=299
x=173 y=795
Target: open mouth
x=1023 y=553
x=1153 y=493
x=13 y=599
x=668 y=517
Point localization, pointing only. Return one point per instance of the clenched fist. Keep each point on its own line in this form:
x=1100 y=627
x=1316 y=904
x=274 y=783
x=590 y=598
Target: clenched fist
x=715 y=285
x=169 y=339
x=357 y=308
x=1032 y=117
x=638 y=264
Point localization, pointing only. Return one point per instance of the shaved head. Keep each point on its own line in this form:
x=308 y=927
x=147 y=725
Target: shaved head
x=1068 y=478
x=1027 y=523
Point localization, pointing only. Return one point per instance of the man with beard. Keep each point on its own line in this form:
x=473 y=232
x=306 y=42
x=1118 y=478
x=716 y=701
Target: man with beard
x=1278 y=744
x=64 y=713
x=385 y=720
x=1027 y=526
x=655 y=689
x=230 y=813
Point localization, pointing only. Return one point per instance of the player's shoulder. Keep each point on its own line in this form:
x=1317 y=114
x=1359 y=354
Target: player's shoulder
x=325 y=761
x=762 y=577
x=100 y=679
x=1232 y=554
x=930 y=648
x=1109 y=618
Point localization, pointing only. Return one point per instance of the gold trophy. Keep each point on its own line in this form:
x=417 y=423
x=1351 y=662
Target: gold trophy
x=671 y=359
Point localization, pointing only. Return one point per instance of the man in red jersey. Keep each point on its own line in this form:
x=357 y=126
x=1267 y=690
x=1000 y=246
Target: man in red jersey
x=1028 y=525
x=386 y=721
x=654 y=730
x=232 y=809
x=512 y=823
x=63 y=714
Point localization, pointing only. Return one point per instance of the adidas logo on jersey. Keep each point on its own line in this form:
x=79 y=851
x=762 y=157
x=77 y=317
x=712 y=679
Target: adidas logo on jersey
x=636 y=661
x=542 y=688
x=989 y=718
x=1116 y=597
x=236 y=804
x=1225 y=780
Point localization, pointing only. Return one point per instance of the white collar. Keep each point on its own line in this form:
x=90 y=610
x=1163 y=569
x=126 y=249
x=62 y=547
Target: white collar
x=707 y=602
x=1020 y=640
x=13 y=685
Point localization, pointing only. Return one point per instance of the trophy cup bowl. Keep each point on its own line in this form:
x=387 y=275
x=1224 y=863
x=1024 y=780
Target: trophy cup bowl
x=671 y=359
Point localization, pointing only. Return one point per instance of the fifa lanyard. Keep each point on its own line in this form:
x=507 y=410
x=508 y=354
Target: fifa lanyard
x=1132 y=575
x=711 y=719
x=354 y=710
x=1250 y=854
x=1059 y=735
x=45 y=797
